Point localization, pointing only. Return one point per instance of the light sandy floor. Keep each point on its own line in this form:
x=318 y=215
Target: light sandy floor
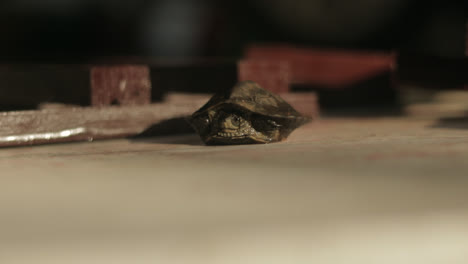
x=389 y=190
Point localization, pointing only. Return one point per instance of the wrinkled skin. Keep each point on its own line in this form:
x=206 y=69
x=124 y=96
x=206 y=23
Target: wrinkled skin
x=247 y=114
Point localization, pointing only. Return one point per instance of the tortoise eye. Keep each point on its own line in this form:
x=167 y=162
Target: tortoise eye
x=235 y=120
x=205 y=120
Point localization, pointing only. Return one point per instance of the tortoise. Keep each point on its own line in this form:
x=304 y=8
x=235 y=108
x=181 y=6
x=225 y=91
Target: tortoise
x=245 y=114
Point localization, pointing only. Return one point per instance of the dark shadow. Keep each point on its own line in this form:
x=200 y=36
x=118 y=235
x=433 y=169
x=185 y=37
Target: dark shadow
x=371 y=97
x=432 y=72
x=363 y=112
x=208 y=76
x=25 y=86
x=170 y=131
x=188 y=139
x=452 y=122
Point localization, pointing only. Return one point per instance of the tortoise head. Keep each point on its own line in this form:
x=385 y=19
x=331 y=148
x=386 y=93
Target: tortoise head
x=247 y=114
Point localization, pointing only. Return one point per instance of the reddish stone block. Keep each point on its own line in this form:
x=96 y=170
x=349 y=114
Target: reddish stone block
x=333 y=69
x=120 y=85
x=269 y=74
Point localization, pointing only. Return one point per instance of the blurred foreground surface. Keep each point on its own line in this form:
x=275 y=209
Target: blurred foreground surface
x=387 y=190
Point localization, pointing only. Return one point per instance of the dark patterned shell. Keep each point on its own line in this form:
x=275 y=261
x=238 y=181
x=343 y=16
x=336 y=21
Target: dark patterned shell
x=254 y=98
x=257 y=105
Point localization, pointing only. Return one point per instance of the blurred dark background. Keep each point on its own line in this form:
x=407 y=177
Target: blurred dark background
x=428 y=36
x=85 y=29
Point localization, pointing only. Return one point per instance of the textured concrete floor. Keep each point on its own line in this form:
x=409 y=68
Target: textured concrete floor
x=388 y=190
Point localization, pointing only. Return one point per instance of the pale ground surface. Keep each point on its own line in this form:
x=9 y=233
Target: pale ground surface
x=389 y=190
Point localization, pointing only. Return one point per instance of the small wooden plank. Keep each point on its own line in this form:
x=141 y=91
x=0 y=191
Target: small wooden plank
x=68 y=124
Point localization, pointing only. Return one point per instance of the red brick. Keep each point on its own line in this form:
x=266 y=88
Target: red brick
x=120 y=85
x=328 y=68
